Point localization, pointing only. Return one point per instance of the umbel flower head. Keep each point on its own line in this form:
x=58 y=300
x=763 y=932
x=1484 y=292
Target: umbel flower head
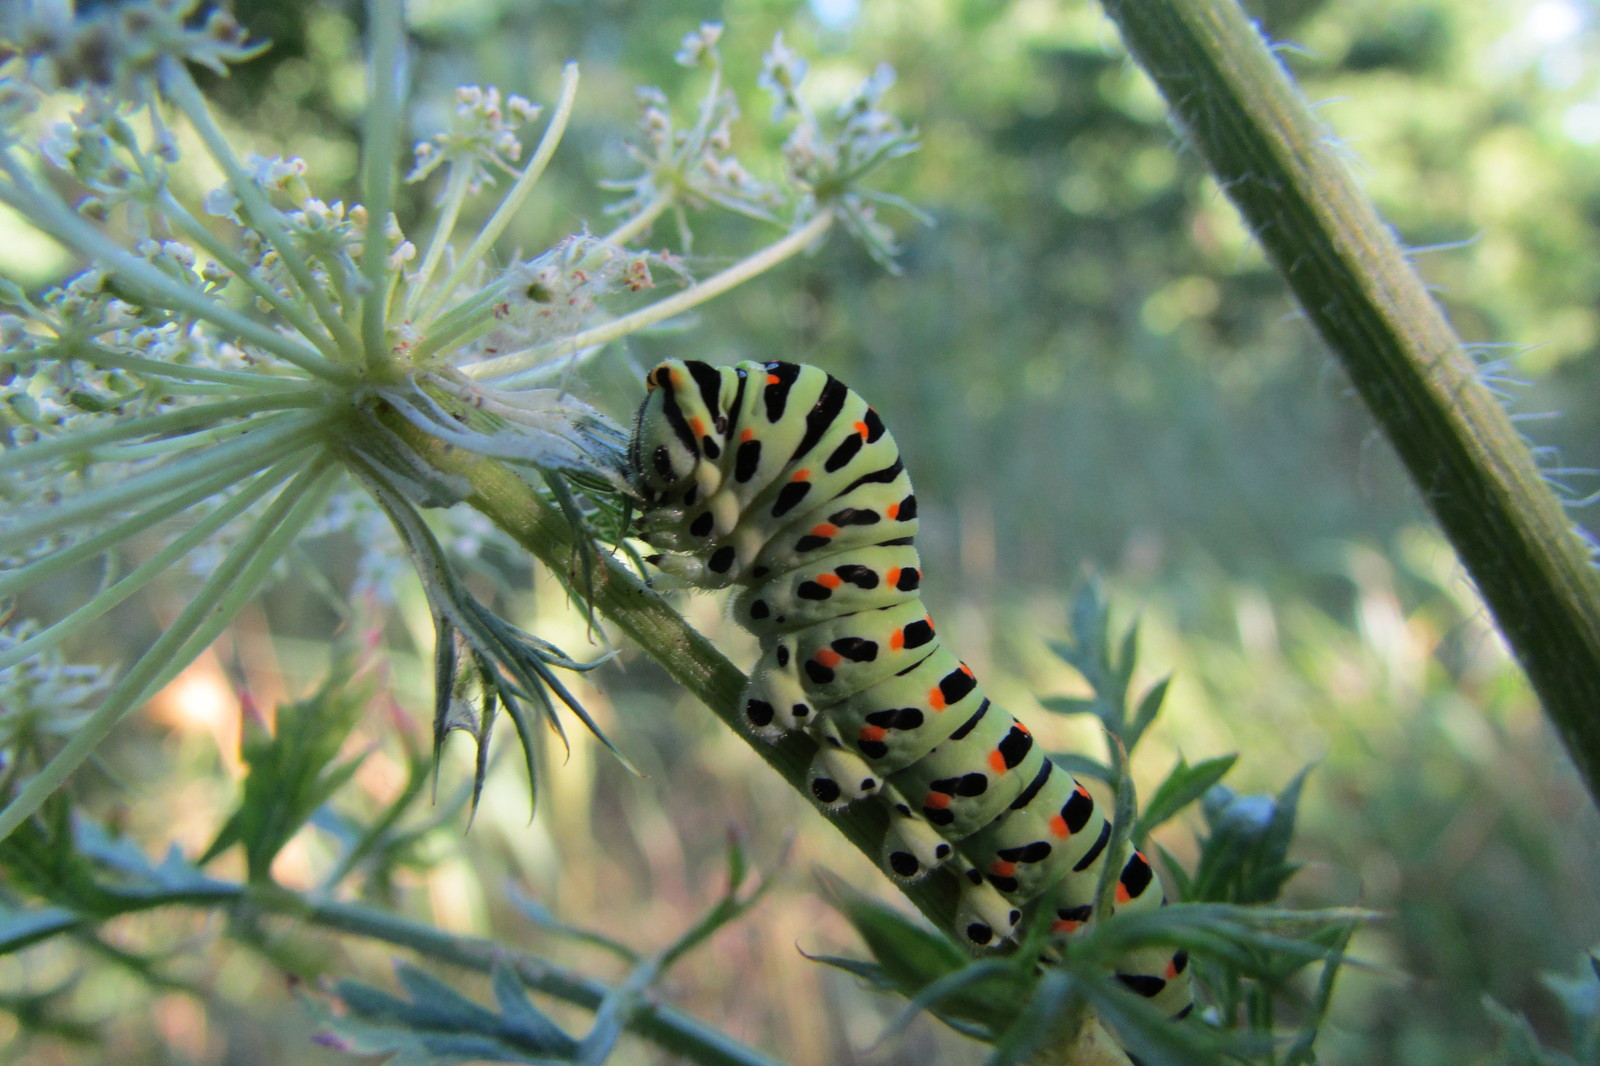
x=234 y=369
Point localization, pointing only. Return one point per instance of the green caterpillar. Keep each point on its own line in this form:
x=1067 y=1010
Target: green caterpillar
x=777 y=478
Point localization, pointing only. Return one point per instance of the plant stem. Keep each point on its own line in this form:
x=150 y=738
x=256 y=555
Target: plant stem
x=182 y=91
x=792 y=244
x=641 y=221
x=197 y=625
x=1273 y=159
x=519 y=191
x=152 y=567
x=45 y=211
x=670 y=1029
x=379 y=147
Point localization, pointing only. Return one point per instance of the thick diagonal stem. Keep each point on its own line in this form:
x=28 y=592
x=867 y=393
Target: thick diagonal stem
x=1275 y=162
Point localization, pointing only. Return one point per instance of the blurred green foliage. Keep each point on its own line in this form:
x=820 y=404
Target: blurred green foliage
x=1083 y=358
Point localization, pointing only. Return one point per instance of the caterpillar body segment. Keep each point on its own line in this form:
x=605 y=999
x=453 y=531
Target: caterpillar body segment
x=777 y=479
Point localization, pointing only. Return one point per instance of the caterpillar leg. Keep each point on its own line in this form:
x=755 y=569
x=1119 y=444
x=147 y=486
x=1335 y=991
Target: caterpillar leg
x=984 y=917
x=838 y=777
x=774 y=702
x=911 y=847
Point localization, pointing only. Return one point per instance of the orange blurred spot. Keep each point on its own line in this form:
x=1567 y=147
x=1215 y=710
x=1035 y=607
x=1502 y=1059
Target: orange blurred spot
x=800 y=475
x=829 y=581
x=936 y=698
x=892 y=578
x=697 y=427
x=1172 y=967
x=1001 y=868
x=997 y=761
x=1122 y=893
x=892 y=510
x=826 y=529
x=872 y=732
x=1064 y=925
x=828 y=657
x=1058 y=827
x=773 y=379
x=861 y=428
x=897 y=639
x=747 y=435
x=937 y=801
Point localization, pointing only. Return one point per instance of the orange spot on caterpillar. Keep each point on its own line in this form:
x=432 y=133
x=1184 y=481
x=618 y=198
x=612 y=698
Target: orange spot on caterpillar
x=892 y=511
x=747 y=435
x=872 y=732
x=936 y=801
x=997 y=761
x=897 y=639
x=965 y=669
x=828 y=657
x=829 y=581
x=773 y=379
x=1122 y=893
x=861 y=428
x=1058 y=827
x=936 y=698
x=799 y=475
x=1065 y=925
x=892 y=578
x=826 y=529
x=1001 y=868
x=1172 y=967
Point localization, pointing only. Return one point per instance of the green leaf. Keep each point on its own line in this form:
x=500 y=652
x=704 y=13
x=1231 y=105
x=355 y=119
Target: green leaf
x=438 y=1024
x=21 y=928
x=912 y=954
x=291 y=772
x=1183 y=785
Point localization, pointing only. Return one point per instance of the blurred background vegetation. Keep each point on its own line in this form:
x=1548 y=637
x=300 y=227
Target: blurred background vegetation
x=1086 y=363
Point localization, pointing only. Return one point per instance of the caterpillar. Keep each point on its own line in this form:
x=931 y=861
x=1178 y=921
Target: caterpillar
x=779 y=480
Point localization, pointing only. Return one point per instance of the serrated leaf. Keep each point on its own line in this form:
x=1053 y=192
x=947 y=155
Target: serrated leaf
x=870 y=972
x=912 y=954
x=1183 y=785
x=438 y=1024
x=21 y=928
x=1145 y=713
x=517 y=1010
x=1070 y=704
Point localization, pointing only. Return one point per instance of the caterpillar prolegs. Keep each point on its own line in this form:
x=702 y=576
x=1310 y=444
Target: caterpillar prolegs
x=778 y=479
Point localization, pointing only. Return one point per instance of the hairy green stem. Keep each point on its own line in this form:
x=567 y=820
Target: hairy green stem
x=650 y=622
x=1274 y=160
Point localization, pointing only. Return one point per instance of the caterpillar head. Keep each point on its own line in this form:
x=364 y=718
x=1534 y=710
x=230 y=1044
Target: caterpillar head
x=678 y=434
